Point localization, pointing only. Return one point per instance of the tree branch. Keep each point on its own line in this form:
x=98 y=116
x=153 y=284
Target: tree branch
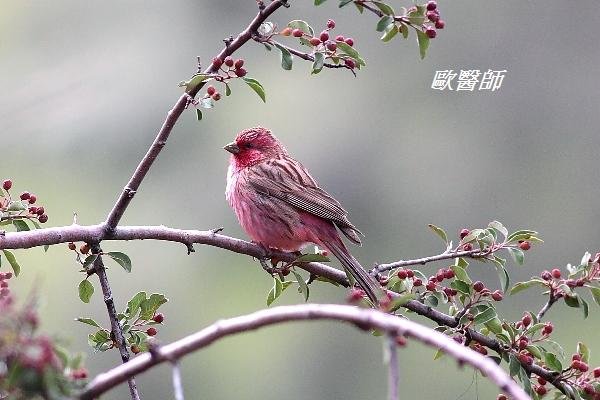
x=422 y=261
x=393 y=373
x=362 y=318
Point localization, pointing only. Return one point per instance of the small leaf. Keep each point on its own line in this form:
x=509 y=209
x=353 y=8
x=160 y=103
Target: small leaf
x=520 y=286
x=318 y=63
x=344 y=2
x=583 y=350
x=502 y=274
x=20 y=225
x=513 y=365
x=584 y=307
x=461 y=286
x=16 y=205
x=351 y=51
x=275 y=291
x=523 y=234
x=517 y=255
x=401 y=300
x=228 y=89
x=390 y=32
x=150 y=305
x=499 y=227
x=88 y=321
x=404 y=30
x=257 y=87
x=134 y=304
x=194 y=82
x=89 y=260
x=12 y=261
x=596 y=294
x=484 y=316
x=302 y=286
x=319 y=2
x=286 y=58
x=359 y=7
x=423 y=40
x=386 y=9
x=86 y=290
x=198 y=114
x=440 y=232
x=552 y=362
x=302 y=25
x=121 y=258
x=524 y=378
x=384 y=22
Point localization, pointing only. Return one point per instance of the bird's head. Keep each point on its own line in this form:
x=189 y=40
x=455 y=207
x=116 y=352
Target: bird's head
x=252 y=146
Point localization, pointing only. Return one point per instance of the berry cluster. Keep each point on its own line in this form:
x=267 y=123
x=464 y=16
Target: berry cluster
x=21 y=209
x=433 y=15
x=158 y=318
x=324 y=42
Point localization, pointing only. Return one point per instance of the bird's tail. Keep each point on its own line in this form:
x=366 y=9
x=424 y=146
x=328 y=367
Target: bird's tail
x=371 y=287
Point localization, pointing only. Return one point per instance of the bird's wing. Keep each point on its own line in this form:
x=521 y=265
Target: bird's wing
x=288 y=180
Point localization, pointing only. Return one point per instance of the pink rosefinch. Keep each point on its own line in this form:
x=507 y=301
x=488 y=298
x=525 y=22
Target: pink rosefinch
x=281 y=206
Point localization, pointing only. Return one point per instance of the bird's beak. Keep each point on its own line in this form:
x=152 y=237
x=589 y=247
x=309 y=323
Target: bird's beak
x=232 y=147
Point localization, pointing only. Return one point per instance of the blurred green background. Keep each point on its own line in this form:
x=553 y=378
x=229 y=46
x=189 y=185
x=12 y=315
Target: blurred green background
x=86 y=85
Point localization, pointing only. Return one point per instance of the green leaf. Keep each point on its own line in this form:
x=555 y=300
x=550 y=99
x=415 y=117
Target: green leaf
x=304 y=258
x=89 y=260
x=552 y=362
x=524 y=378
x=344 y=2
x=121 y=258
x=584 y=307
x=520 y=286
x=535 y=351
x=12 y=261
x=275 y=291
x=423 y=40
x=318 y=63
x=485 y=316
x=86 y=290
x=198 y=114
x=386 y=9
x=390 y=32
x=302 y=25
x=384 y=22
x=302 y=286
x=134 y=304
x=439 y=231
x=359 y=7
x=572 y=300
x=461 y=274
x=319 y=2
x=257 y=87
x=596 y=294
x=502 y=273
x=194 y=82
x=461 y=286
x=523 y=234
x=517 y=255
x=88 y=321
x=583 y=350
x=499 y=227
x=404 y=30
x=150 y=305
x=228 y=89
x=351 y=52
x=513 y=365
x=20 y=225
x=16 y=205
x=401 y=300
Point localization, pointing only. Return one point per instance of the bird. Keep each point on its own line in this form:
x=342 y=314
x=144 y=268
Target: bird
x=281 y=206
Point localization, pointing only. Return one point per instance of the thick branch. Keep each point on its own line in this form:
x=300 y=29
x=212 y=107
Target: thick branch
x=362 y=318
x=173 y=115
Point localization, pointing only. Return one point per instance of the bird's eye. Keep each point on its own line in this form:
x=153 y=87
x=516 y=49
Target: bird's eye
x=248 y=145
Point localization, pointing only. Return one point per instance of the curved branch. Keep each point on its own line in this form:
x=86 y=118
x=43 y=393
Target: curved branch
x=362 y=318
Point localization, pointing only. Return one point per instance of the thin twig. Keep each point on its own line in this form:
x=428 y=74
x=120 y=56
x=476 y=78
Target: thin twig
x=358 y=317
x=306 y=56
x=422 y=261
x=177 y=385
x=551 y=300
x=393 y=372
x=117 y=332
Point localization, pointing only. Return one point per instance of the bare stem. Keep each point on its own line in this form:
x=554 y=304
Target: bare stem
x=551 y=300
x=358 y=317
x=393 y=372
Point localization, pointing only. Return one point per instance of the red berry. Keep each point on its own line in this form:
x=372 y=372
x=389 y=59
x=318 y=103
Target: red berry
x=526 y=320
x=588 y=389
x=448 y=274
x=217 y=62
x=597 y=372
x=239 y=63
x=433 y=16
x=430 y=286
x=548 y=328
x=440 y=24
x=43 y=218
x=355 y=295
x=240 y=72
x=286 y=31
x=339 y=38
x=3 y=284
x=39 y=210
x=580 y=282
x=210 y=90
x=467 y=247
x=501 y=397
x=216 y=96
x=315 y=41
x=151 y=331
x=330 y=23
x=523 y=342
x=478 y=286
x=5 y=291
x=331 y=46
x=417 y=282
x=159 y=318
x=497 y=295
x=525 y=245
x=8 y=275
x=85 y=248
x=583 y=367
x=228 y=61
x=431 y=5
x=546 y=275
x=32 y=210
x=575 y=364
x=24 y=196
x=135 y=349
x=402 y=274
x=541 y=380
x=32 y=199
x=401 y=341
x=72 y=246
x=576 y=357
x=297 y=33
x=349 y=41
x=324 y=36
x=7 y=184
x=439 y=276
x=410 y=273
x=541 y=390
x=556 y=273
x=430 y=32
x=464 y=232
